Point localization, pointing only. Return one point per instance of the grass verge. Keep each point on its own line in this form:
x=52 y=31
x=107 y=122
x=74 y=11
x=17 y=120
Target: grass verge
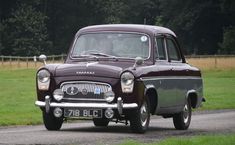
x=18 y=94
x=219 y=89
x=196 y=140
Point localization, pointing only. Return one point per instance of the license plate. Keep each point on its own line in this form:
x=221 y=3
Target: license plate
x=94 y=113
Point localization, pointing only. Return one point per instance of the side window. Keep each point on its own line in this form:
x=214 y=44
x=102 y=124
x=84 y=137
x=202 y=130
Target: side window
x=160 y=50
x=173 y=50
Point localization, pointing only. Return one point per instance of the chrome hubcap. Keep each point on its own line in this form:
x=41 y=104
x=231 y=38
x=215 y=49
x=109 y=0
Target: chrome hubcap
x=186 y=113
x=143 y=114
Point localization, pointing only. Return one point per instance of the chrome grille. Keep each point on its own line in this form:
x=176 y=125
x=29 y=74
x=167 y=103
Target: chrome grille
x=84 y=90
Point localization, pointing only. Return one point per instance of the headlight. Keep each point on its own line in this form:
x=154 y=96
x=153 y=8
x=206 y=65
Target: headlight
x=109 y=96
x=127 y=82
x=43 y=78
x=58 y=94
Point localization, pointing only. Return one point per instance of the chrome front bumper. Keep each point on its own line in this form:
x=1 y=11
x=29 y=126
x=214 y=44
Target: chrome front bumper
x=119 y=105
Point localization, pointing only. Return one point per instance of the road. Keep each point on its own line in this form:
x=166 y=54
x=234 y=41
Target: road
x=210 y=122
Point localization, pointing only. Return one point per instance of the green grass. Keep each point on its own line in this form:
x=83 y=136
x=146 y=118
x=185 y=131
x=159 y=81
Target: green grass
x=196 y=140
x=219 y=89
x=18 y=94
x=17 y=97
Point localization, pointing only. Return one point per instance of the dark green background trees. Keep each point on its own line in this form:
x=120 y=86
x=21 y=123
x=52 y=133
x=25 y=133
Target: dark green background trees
x=31 y=27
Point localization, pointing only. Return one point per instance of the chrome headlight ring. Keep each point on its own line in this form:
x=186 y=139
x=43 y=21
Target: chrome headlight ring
x=58 y=94
x=109 y=96
x=43 y=79
x=127 y=82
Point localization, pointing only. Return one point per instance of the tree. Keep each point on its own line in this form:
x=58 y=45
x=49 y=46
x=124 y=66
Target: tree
x=228 y=45
x=1 y=31
x=28 y=25
x=141 y=11
x=67 y=17
x=113 y=11
x=199 y=24
x=26 y=32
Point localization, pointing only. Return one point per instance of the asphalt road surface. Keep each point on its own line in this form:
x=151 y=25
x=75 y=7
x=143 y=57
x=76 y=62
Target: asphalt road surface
x=210 y=122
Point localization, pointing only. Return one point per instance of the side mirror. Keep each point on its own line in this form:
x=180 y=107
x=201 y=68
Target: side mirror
x=43 y=58
x=138 y=61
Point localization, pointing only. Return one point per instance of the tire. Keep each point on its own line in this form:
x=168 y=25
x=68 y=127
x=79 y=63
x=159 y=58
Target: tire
x=51 y=122
x=102 y=122
x=182 y=120
x=139 y=120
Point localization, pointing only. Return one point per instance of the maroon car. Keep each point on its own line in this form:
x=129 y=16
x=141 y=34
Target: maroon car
x=122 y=73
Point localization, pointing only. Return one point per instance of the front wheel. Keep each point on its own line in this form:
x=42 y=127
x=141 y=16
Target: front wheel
x=140 y=117
x=51 y=122
x=182 y=120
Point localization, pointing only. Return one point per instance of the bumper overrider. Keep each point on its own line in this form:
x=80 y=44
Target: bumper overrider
x=119 y=105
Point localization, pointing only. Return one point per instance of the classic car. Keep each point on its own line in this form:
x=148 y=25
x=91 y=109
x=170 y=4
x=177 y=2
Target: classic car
x=122 y=73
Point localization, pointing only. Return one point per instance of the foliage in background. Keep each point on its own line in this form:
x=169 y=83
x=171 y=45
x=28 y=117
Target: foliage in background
x=26 y=32
x=199 y=24
x=113 y=11
x=228 y=45
x=1 y=31
x=141 y=11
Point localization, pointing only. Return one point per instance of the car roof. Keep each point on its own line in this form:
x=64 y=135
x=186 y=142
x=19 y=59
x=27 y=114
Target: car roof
x=149 y=29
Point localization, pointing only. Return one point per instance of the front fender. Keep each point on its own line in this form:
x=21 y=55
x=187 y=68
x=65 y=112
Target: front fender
x=148 y=87
x=193 y=96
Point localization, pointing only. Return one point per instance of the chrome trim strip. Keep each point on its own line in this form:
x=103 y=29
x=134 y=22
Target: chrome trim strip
x=84 y=99
x=87 y=105
x=169 y=77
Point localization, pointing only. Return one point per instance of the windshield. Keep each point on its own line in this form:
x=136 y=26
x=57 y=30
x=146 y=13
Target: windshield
x=128 y=45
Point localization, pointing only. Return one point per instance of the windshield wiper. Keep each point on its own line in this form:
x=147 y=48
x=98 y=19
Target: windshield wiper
x=102 y=54
x=84 y=56
x=95 y=56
